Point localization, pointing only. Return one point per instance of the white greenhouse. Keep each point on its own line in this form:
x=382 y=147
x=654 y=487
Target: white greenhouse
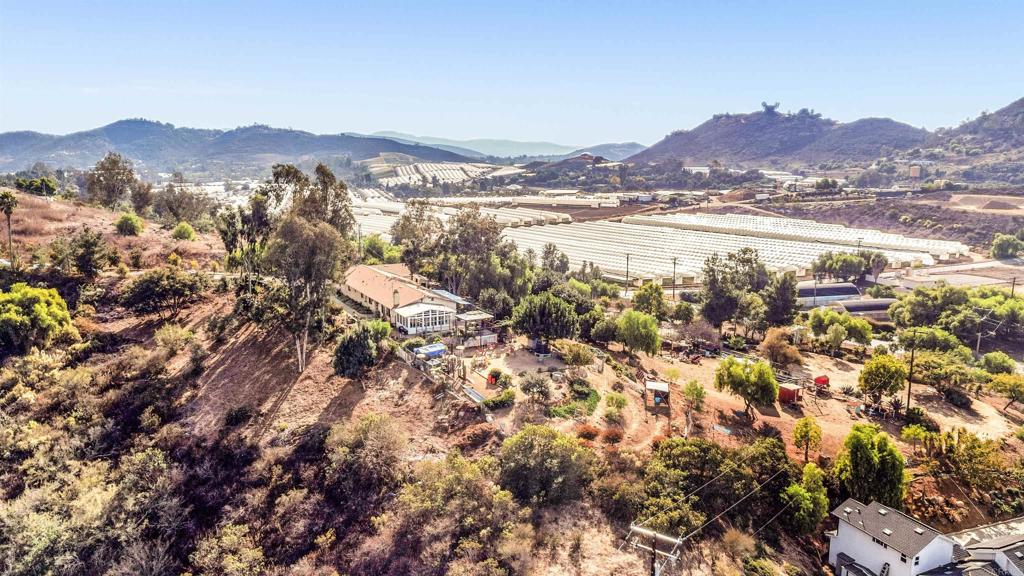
x=802 y=230
x=651 y=249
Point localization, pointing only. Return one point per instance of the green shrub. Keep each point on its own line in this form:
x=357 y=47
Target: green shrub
x=541 y=465
x=584 y=400
x=129 y=224
x=918 y=415
x=504 y=400
x=33 y=317
x=998 y=363
x=616 y=400
x=173 y=337
x=183 y=231
x=414 y=343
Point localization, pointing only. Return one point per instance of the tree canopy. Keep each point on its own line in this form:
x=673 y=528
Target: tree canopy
x=870 y=467
x=754 y=382
x=638 y=331
x=545 y=316
x=541 y=465
x=882 y=375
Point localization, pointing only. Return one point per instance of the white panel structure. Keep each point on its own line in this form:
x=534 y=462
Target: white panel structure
x=804 y=230
x=651 y=249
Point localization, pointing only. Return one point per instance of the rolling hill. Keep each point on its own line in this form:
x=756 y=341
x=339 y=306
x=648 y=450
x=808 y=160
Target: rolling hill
x=159 y=146
x=998 y=131
x=771 y=136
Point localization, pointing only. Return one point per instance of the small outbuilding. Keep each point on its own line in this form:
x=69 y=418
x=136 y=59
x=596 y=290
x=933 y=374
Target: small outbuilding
x=790 y=393
x=658 y=392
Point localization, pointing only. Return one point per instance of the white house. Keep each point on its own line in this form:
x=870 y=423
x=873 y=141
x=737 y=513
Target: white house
x=875 y=540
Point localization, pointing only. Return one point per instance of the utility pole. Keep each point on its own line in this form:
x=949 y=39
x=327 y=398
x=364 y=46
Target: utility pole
x=660 y=559
x=674 y=278
x=627 y=271
x=1013 y=286
x=910 y=371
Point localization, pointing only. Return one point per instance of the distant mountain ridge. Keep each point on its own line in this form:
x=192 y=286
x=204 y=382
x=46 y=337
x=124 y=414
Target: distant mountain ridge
x=487 y=146
x=769 y=135
x=163 y=147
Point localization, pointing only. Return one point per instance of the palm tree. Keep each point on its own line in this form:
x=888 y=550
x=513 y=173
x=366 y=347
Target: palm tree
x=8 y=202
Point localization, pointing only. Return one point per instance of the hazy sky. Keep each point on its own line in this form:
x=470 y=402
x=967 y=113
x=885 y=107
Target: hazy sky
x=570 y=72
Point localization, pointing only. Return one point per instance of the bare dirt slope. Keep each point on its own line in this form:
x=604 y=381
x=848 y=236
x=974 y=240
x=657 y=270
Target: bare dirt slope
x=37 y=221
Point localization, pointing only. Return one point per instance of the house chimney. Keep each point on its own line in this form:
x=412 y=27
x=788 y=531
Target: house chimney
x=394 y=296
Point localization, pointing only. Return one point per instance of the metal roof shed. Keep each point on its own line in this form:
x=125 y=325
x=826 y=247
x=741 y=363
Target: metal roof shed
x=431 y=350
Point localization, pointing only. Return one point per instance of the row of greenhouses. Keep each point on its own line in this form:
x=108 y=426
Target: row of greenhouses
x=379 y=217
x=802 y=230
x=643 y=252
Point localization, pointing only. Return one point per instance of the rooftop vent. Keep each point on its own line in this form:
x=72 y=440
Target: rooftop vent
x=1019 y=554
x=918 y=530
x=883 y=511
x=887 y=532
x=848 y=510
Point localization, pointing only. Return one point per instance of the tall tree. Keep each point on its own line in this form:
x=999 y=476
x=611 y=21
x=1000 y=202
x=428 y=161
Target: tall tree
x=883 y=374
x=418 y=231
x=110 y=181
x=870 y=467
x=466 y=251
x=309 y=247
x=650 y=299
x=718 y=296
x=306 y=256
x=807 y=435
x=8 y=202
x=546 y=317
x=779 y=298
x=142 y=196
x=747 y=270
x=808 y=500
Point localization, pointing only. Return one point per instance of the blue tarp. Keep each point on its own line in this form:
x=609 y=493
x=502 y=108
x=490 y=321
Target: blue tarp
x=431 y=350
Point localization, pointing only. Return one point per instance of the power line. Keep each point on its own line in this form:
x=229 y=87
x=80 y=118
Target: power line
x=673 y=554
x=772 y=519
x=735 y=504
x=705 y=485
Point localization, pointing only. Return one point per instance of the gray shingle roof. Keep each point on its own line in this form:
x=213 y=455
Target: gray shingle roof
x=1015 y=556
x=894 y=528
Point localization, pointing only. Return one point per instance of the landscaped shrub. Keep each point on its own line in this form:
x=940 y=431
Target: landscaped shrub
x=183 y=231
x=129 y=224
x=583 y=400
x=503 y=400
x=918 y=415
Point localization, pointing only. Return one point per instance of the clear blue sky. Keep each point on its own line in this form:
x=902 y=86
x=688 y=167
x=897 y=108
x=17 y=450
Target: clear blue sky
x=569 y=72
